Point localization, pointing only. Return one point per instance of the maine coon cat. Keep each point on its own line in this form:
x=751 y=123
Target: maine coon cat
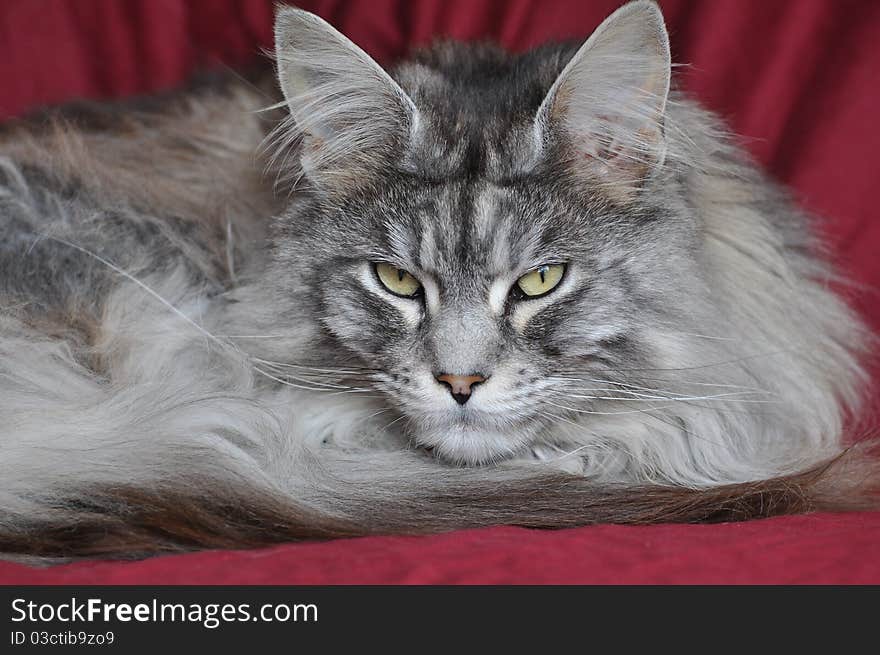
x=542 y=289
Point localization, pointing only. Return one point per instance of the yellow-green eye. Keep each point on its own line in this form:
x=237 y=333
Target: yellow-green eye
x=541 y=280
x=397 y=280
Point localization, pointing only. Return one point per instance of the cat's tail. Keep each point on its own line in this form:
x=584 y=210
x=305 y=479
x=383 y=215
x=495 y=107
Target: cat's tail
x=121 y=521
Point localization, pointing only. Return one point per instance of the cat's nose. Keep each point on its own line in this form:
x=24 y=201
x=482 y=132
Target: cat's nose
x=460 y=386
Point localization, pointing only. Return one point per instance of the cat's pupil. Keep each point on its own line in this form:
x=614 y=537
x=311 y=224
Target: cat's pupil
x=400 y=274
x=542 y=272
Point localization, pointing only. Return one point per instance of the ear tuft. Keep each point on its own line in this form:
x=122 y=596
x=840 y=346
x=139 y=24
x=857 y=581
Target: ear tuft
x=608 y=104
x=347 y=115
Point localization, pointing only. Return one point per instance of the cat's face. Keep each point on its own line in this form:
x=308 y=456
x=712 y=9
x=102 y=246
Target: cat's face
x=437 y=287
x=458 y=255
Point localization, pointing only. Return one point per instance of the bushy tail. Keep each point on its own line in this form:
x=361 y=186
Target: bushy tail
x=119 y=521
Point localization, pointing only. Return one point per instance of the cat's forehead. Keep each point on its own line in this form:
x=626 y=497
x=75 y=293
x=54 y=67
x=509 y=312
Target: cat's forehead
x=473 y=229
x=476 y=108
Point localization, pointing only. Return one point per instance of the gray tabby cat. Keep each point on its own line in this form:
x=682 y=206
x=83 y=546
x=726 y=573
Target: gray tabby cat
x=540 y=289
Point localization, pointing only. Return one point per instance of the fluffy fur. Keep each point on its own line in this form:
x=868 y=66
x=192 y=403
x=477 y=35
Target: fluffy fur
x=177 y=370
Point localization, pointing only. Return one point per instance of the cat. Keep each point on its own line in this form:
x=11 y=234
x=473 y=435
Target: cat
x=541 y=289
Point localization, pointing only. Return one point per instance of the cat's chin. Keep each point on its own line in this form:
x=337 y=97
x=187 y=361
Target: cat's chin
x=474 y=446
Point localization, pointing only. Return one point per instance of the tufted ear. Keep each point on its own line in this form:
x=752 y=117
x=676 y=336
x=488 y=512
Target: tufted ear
x=606 y=109
x=347 y=115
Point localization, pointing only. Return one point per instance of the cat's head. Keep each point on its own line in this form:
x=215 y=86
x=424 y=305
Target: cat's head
x=479 y=226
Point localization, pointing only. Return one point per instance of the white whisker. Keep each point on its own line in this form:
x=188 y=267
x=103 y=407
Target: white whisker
x=142 y=285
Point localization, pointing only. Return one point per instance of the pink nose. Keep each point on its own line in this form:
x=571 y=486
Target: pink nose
x=460 y=385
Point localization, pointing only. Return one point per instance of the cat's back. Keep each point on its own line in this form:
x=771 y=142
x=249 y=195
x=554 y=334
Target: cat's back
x=128 y=180
x=168 y=153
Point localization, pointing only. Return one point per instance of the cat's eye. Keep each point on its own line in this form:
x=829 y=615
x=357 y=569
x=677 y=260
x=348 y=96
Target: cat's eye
x=397 y=281
x=541 y=280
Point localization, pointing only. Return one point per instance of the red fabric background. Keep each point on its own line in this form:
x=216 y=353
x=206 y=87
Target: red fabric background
x=796 y=78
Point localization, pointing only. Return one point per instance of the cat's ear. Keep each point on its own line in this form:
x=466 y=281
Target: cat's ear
x=606 y=109
x=347 y=113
